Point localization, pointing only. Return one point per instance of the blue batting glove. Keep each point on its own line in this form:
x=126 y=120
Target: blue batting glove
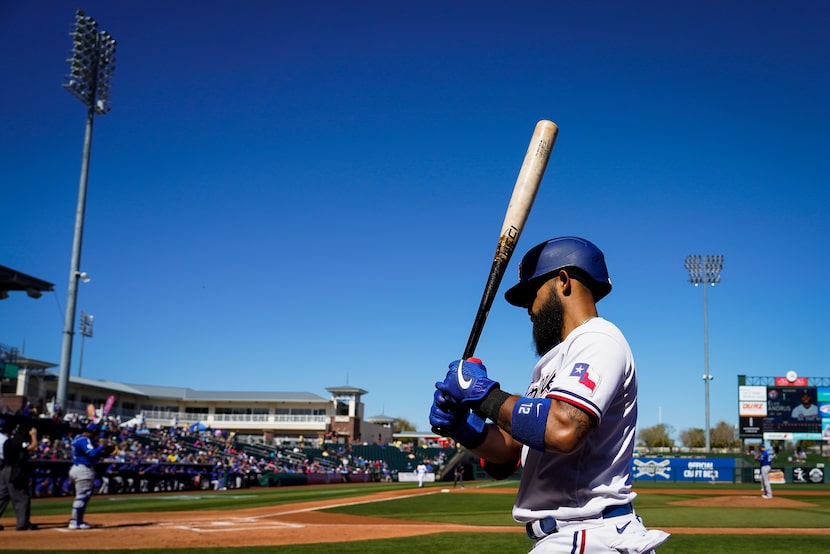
x=445 y=414
x=471 y=433
x=450 y=419
x=467 y=382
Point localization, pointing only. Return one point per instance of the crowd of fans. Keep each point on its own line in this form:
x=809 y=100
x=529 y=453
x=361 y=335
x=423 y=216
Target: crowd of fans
x=179 y=458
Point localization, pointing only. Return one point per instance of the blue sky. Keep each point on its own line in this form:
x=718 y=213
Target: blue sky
x=291 y=196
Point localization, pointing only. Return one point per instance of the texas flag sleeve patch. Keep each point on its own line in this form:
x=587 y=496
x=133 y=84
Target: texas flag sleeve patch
x=587 y=379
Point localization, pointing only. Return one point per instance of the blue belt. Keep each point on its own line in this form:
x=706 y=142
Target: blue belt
x=616 y=511
x=541 y=528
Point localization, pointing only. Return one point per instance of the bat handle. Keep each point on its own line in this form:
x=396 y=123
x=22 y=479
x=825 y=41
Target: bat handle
x=490 y=289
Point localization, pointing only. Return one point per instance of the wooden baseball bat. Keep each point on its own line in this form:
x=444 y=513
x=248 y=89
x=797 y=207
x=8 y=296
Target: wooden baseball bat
x=524 y=193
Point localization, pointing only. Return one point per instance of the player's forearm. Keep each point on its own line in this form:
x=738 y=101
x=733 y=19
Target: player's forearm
x=543 y=424
x=498 y=447
x=567 y=428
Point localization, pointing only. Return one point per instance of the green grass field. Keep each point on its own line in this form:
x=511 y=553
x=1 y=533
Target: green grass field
x=656 y=508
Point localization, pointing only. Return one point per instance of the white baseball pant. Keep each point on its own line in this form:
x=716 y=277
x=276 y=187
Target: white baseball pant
x=624 y=534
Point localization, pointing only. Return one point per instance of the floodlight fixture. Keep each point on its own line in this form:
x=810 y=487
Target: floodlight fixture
x=704 y=270
x=91 y=64
x=86 y=324
x=86 y=331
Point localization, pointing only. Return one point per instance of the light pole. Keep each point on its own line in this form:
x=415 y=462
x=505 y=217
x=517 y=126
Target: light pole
x=705 y=271
x=91 y=67
x=86 y=331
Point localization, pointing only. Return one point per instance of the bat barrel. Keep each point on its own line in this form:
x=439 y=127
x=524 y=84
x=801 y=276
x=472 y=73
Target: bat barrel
x=524 y=193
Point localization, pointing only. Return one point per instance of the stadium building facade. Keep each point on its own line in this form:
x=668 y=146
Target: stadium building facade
x=280 y=418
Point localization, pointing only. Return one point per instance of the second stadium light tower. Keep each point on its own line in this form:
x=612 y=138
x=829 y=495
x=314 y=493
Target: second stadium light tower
x=86 y=331
x=705 y=271
x=90 y=73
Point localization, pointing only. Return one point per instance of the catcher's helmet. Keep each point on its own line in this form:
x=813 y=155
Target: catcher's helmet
x=553 y=255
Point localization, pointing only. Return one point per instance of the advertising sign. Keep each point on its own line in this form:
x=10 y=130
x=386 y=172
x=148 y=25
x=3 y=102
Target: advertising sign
x=750 y=393
x=684 y=469
x=809 y=475
x=786 y=382
x=750 y=428
x=776 y=476
x=752 y=408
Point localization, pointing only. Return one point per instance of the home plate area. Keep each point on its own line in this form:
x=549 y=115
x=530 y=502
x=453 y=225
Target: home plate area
x=231 y=525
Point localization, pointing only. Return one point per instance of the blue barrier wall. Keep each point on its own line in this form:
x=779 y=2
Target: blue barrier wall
x=684 y=469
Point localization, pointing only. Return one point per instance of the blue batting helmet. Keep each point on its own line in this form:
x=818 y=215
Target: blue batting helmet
x=553 y=255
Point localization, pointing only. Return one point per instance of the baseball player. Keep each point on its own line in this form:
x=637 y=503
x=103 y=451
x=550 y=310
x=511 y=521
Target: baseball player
x=85 y=454
x=421 y=471
x=765 y=459
x=573 y=430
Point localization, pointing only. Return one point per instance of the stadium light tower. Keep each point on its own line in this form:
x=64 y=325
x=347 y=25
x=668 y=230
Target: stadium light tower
x=86 y=331
x=705 y=271
x=90 y=73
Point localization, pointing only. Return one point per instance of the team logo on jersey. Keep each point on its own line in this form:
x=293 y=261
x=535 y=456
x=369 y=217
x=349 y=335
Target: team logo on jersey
x=586 y=378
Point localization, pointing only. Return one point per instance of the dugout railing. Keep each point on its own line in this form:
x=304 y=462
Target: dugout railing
x=51 y=477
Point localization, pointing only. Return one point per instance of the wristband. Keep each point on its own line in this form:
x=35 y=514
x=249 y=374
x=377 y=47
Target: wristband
x=491 y=404
x=530 y=418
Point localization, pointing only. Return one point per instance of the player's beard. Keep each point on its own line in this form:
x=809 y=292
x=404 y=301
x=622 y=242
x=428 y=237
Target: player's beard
x=547 y=325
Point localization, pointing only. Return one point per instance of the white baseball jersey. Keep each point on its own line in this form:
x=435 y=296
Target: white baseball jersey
x=593 y=369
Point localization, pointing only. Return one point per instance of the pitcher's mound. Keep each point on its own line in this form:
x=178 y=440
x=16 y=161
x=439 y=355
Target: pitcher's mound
x=743 y=502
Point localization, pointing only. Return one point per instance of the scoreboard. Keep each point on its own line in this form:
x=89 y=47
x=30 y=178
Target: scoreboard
x=787 y=410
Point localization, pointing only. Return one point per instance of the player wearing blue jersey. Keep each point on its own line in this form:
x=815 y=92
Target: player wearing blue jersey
x=573 y=431
x=85 y=454
x=765 y=459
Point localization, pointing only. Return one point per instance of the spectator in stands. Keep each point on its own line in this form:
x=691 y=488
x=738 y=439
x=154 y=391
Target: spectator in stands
x=159 y=460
